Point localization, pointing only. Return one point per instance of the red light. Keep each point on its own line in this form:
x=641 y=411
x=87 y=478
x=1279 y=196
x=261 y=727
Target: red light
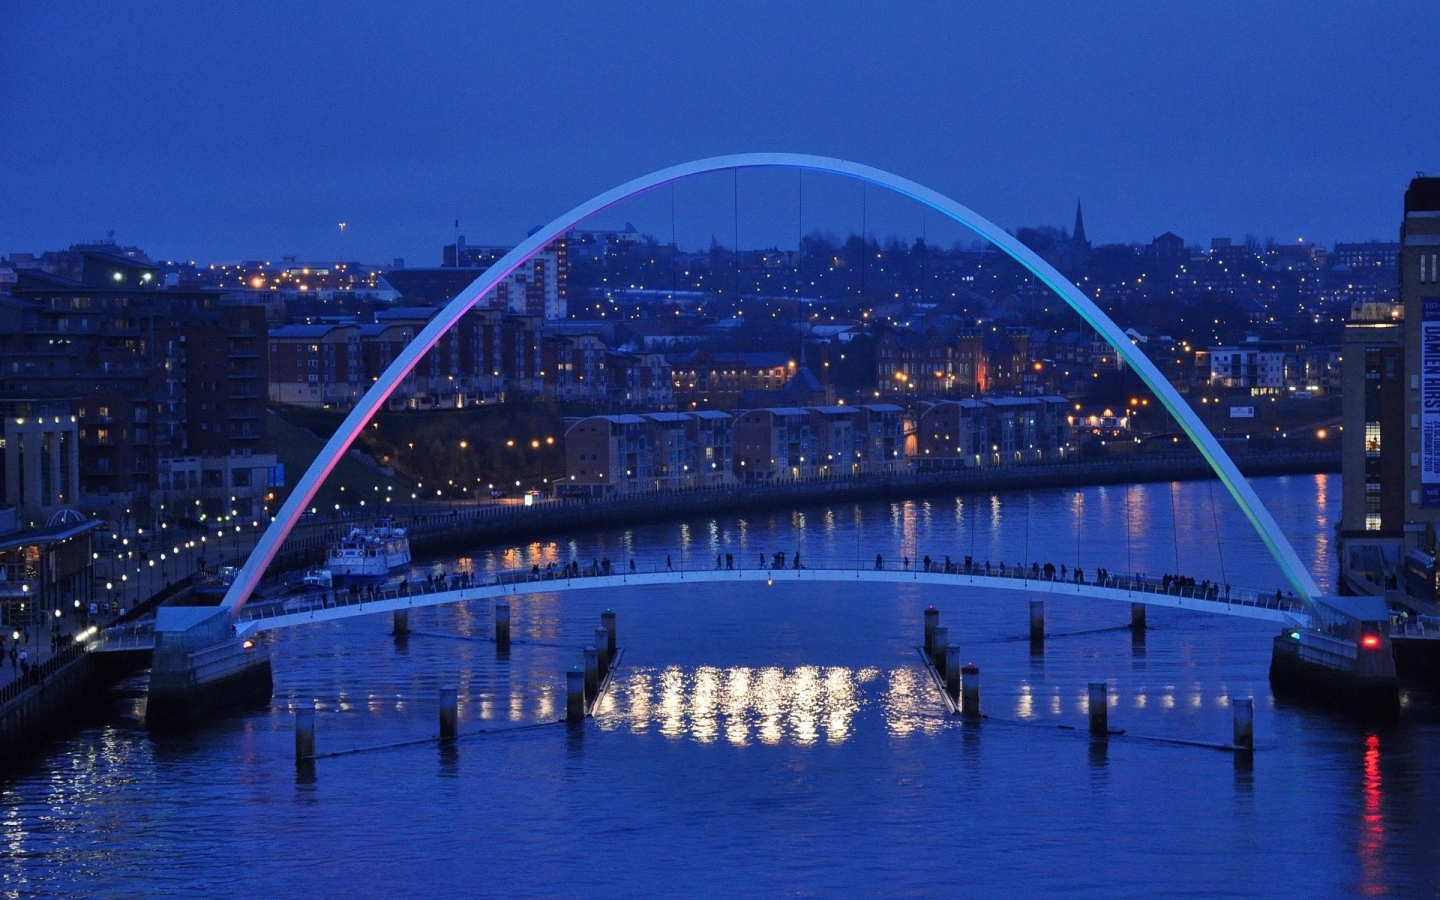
x=1370 y=641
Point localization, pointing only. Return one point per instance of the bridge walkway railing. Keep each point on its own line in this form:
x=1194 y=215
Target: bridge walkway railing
x=1132 y=583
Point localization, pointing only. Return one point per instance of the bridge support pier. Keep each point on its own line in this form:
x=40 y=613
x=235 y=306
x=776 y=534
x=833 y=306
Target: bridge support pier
x=449 y=713
x=502 y=628
x=592 y=674
x=304 y=731
x=575 y=696
x=932 y=621
x=1099 y=709
x=402 y=623
x=939 y=646
x=1137 y=619
x=970 y=691
x=1244 y=708
x=952 y=672
x=200 y=668
x=1037 y=624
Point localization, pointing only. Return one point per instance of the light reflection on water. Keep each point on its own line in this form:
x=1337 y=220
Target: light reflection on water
x=772 y=742
x=1190 y=528
x=803 y=706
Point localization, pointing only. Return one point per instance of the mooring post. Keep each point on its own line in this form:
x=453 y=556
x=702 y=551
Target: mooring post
x=602 y=652
x=970 y=691
x=952 y=672
x=402 y=622
x=449 y=713
x=574 y=695
x=607 y=618
x=592 y=674
x=1099 y=709
x=938 y=645
x=304 y=731
x=932 y=621
x=1037 y=623
x=1244 y=723
x=1137 y=618
x=502 y=627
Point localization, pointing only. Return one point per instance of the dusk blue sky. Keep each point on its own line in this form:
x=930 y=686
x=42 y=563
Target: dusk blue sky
x=227 y=131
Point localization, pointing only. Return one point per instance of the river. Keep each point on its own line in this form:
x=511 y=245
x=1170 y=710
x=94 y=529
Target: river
x=773 y=741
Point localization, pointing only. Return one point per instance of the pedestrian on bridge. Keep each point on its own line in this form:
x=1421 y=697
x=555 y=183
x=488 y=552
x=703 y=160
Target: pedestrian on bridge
x=632 y=564
x=669 y=567
x=797 y=559
x=879 y=562
x=729 y=561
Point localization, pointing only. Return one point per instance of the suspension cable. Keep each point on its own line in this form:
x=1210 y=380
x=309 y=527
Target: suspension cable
x=1174 y=528
x=674 y=248
x=1129 y=555
x=736 y=181
x=1029 y=502
x=800 y=241
x=1215 y=515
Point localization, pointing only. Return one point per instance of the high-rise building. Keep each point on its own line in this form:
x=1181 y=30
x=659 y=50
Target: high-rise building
x=1420 y=297
x=1373 y=441
x=1391 y=416
x=537 y=287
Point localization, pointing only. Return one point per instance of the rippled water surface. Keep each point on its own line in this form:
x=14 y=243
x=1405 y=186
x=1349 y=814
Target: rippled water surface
x=774 y=741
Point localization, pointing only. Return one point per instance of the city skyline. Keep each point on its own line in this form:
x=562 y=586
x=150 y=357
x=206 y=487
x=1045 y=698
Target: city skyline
x=295 y=129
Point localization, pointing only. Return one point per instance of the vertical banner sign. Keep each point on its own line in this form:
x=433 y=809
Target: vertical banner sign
x=1430 y=403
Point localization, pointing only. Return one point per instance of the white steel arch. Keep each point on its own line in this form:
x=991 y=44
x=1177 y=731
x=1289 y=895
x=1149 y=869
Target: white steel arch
x=374 y=398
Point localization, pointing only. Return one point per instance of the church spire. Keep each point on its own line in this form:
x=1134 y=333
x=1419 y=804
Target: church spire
x=1079 y=234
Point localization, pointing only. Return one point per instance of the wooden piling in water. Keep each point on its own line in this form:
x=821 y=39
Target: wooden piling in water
x=502 y=627
x=449 y=713
x=575 y=696
x=1244 y=708
x=938 y=645
x=602 y=653
x=592 y=674
x=970 y=691
x=952 y=672
x=304 y=731
x=1099 y=709
x=607 y=619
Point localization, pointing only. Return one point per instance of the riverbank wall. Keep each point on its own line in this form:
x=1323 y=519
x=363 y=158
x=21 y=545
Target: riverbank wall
x=467 y=529
x=62 y=693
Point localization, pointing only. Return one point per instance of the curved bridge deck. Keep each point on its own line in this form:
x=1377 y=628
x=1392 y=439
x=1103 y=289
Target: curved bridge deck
x=327 y=606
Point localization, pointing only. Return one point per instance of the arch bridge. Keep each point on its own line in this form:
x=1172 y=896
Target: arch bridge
x=1294 y=571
